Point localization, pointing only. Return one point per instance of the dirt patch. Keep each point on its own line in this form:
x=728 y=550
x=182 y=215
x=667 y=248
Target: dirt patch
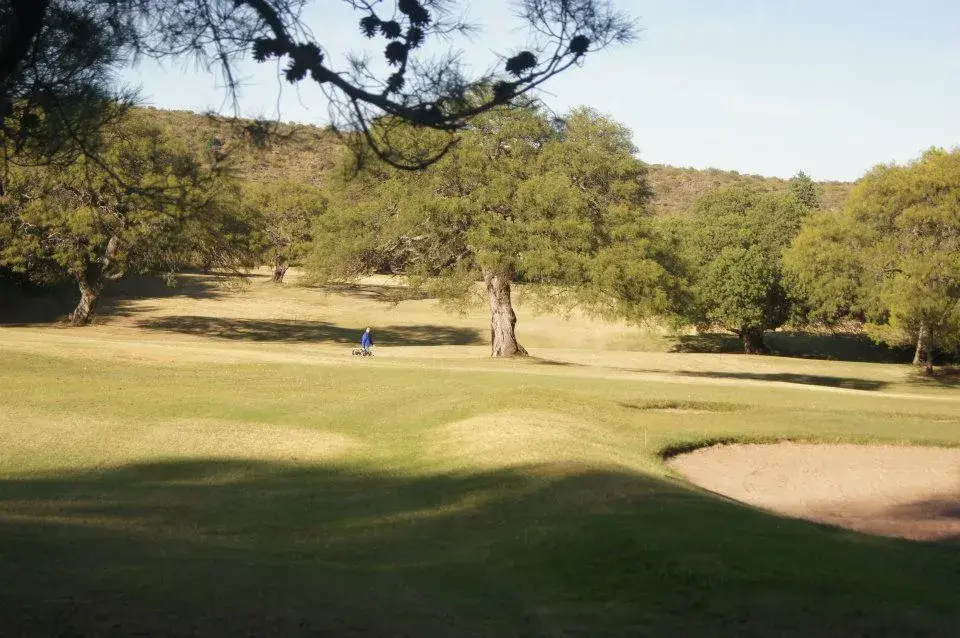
x=906 y=492
x=683 y=407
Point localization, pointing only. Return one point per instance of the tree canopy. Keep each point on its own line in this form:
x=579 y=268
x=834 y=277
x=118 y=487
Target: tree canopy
x=561 y=209
x=805 y=190
x=84 y=224
x=734 y=242
x=286 y=212
x=892 y=255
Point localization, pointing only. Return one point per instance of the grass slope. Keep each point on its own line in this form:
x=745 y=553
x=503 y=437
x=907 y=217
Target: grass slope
x=260 y=151
x=214 y=462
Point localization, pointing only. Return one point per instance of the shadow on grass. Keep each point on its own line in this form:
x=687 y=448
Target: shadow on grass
x=684 y=406
x=43 y=305
x=191 y=286
x=553 y=363
x=850 y=383
x=801 y=345
x=34 y=305
x=372 y=292
x=312 y=331
x=220 y=548
x=947 y=377
x=713 y=343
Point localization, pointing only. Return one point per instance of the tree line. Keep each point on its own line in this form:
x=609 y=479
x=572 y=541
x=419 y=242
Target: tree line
x=560 y=205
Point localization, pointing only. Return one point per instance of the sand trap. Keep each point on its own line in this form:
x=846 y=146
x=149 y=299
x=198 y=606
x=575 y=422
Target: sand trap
x=907 y=492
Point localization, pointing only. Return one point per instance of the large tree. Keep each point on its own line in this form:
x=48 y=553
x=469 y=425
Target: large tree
x=734 y=241
x=285 y=212
x=409 y=82
x=561 y=209
x=146 y=203
x=892 y=256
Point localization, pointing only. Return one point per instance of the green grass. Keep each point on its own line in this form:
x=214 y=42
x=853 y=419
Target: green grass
x=161 y=483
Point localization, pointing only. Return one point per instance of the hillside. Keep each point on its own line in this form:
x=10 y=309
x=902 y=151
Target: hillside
x=675 y=189
x=258 y=151
x=305 y=153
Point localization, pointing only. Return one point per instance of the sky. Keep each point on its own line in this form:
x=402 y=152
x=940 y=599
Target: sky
x=769 y=87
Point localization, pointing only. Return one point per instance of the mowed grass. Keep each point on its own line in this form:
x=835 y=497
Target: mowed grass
x=213 y=462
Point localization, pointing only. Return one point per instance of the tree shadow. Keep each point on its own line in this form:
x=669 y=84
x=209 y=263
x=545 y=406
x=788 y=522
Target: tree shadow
x=47 y=304
x=931 y=519
x=683 y=406
x=709 y=343
x=372 y=292
x=850 y=383
x=118 y=299
x=227 y=548
x=540 y=361
x=30 y=305
x=944 y=507
x=799 y=345
x=209 y=286
x=946 y=377
x=288 y=330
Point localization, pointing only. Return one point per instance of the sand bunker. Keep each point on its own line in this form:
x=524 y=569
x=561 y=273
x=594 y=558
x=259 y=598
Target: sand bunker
x=907 y=492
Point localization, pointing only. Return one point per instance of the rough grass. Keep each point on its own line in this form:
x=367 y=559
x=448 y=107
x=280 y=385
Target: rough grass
x=160 y=480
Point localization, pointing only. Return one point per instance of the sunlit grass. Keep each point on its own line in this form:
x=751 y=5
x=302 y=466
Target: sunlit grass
x=157 y=480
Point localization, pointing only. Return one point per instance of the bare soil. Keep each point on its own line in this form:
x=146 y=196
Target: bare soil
x=905 y=492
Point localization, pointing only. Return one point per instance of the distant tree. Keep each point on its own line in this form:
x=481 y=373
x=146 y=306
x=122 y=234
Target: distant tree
x=562 y=210
x=408 y=84
x=80 y=223
x=286 y=212
x=805 y=190
x=734 y=242
x=894 y=254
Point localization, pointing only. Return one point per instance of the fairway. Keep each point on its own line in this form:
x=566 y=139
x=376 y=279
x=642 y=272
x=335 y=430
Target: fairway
x=209 y=460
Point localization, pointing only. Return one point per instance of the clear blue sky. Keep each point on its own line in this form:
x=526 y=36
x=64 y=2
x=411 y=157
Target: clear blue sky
x=831 y=87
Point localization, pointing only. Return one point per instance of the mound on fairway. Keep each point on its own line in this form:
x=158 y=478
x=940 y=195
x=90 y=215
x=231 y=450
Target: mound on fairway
x=906 y=492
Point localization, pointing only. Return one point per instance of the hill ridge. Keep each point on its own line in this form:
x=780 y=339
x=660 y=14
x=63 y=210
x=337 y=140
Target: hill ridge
x=287 y=151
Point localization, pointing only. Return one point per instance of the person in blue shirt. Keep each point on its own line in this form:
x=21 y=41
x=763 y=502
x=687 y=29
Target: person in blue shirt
x=366 y=341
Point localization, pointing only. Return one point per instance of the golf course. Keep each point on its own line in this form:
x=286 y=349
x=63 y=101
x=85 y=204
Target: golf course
x=449 y=319
x=210 y=460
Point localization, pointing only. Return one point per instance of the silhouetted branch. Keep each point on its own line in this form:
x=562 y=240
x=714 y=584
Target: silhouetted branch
x=433 y=94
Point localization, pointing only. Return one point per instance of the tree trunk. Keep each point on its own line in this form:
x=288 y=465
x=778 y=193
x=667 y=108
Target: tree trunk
x=89 y=295
x=753 y=341
x=922 y=355
x=92 y=280
x=279 y=270
x=503 y=340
